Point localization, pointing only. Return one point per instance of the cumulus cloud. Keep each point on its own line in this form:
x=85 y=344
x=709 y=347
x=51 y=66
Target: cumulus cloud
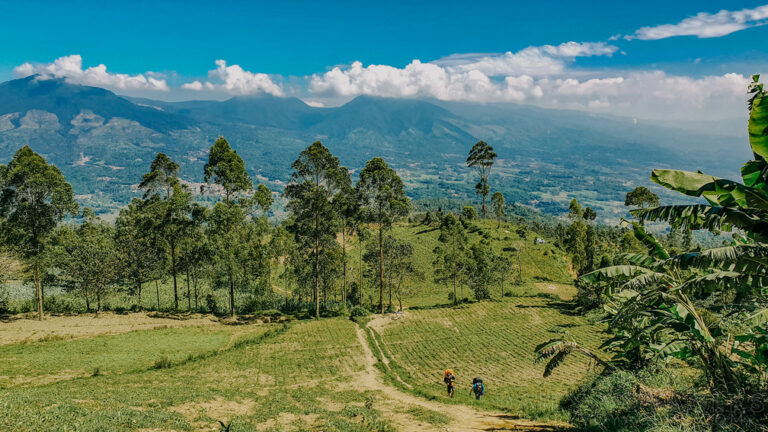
x=652 y=94
x=419 y=79
x=471 y=77
x=544 y=60
x=236 y=80
x=705 y=25
x=71 y=69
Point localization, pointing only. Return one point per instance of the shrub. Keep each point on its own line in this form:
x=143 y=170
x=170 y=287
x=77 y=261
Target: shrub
x=359 y=312
x=210 y=304
x=469 y=213
x=608 y=403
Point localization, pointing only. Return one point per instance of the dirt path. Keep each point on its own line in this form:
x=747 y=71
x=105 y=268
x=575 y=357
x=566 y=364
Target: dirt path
x=463 y=418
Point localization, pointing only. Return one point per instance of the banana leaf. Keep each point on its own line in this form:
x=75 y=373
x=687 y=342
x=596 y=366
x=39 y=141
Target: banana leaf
x=717 y=191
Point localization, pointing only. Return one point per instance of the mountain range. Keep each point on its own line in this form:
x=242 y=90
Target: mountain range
x=103 y=142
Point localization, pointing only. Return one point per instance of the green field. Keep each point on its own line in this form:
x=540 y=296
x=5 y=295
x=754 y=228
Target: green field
x=493 y=340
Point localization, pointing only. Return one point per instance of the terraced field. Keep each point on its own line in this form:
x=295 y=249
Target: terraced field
x=493 y=340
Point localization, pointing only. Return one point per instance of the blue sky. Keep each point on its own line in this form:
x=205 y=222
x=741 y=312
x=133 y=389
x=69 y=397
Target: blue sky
x=291 y=48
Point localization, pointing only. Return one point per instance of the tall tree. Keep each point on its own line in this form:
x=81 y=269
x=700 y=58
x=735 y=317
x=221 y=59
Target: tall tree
x=90 y=257
x=451 y=255
x=140 y=253
x=163 y=175
x=227 y=169
x=482 y=156
x=347 y=206
x=317 y=178
x=34 y=197
x=497 y=200
x=382 y=201
x=481 y=269
x=263 y=199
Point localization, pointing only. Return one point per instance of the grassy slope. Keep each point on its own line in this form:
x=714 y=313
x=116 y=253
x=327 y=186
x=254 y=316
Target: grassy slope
x=297 y=371
x=539 y=262
x=493 y=340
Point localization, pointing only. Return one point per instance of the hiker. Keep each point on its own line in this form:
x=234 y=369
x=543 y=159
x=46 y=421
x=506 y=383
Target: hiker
x=450 y=381
x=478 y=388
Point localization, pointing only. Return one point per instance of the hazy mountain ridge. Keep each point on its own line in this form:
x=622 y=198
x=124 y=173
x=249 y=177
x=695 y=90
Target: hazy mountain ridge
x=103 y=142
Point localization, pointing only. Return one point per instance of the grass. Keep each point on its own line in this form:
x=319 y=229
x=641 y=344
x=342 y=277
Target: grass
x=298 y=375
x=48 y=361
x=493 y=340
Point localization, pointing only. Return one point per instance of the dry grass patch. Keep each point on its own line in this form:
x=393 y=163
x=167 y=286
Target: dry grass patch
x=80 y=326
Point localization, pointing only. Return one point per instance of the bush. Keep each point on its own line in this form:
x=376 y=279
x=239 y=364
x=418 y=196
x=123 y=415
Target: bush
x=359 y=312
x=210 y=304
x=469 y=213
x=608 y=403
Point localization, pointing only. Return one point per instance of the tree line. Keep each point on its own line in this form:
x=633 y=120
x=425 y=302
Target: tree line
x=232 y=246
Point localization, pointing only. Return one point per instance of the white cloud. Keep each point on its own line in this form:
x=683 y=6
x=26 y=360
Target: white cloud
x=419 y=79
x=471 y=77
x=544 y=60
x=652 y=94
x=580 y=49
x=71 y=68
x=705 y=25
x=236 y=80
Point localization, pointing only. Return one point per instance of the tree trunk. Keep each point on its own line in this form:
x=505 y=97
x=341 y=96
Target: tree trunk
x=139 y=293
x=455 y=293
x=87 y=300
x=157 y=291
x=173 y=270
x=381 y=268
x=38 y=292
x=194 y=286
x=189 y=291
x=98 y=300
x=317 y=271
x=344 y=263
x=231 y=294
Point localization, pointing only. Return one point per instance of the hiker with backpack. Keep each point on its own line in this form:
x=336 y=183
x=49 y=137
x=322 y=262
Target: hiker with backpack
x=478 y=388
x=450 y=381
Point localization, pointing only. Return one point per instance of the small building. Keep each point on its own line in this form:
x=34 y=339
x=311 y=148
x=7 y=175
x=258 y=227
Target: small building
x=539 y=241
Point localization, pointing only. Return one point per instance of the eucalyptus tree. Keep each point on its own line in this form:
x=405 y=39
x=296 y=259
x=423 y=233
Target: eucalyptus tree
x=34 y=197
x=167 y=202
x=228 y=227
x=227 y=170
x=90 y=257
x=316 y=179
x=140 y=252
x=451 y=255
x=347 y=206
x=263 y=199
x=382 y=201
x=497 y=200
x=482 y=157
